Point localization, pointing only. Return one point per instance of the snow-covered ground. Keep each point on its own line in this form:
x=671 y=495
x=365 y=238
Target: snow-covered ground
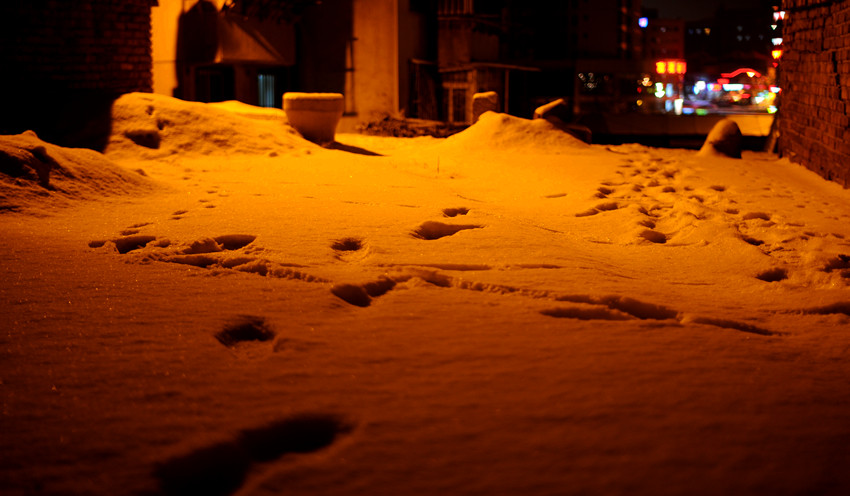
x=216 y=306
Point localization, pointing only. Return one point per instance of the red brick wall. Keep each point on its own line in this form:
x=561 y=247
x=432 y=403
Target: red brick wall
x=814 y=122
x=63 y=59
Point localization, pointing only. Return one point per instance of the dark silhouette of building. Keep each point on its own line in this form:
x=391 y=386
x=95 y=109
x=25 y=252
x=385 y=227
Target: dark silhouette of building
x=733 y=38
x=64 y=63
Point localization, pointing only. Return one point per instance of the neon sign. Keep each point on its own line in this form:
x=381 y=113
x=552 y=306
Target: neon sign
x=671 y=67
x=747 y=70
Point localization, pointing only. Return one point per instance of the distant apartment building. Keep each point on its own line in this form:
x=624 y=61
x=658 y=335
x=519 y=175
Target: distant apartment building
x=735 y=37
x=664 y=39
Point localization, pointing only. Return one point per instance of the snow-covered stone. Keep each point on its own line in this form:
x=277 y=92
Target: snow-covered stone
x=558 y=113
x=725 y=139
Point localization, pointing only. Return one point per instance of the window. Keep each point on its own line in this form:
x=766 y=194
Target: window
x=266 y=90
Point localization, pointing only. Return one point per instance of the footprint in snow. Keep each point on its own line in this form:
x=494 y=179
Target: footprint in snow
x=431 y=230
x=245 y=329
x=126 y=244
x=454 y=212
x=625 y=308
x=222 y=469
x=361 y=295
x=350 y=249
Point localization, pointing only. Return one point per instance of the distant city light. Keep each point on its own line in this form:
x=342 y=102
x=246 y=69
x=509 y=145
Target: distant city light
x=777 y=54
x=778 y=16
x=643 y=22
x=776 y=41
x=772 y=109
x=671 y=67
x=733 y=87
x=750 y=73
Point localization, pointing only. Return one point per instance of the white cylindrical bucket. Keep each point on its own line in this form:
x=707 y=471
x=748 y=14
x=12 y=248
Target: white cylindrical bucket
x=314 y=115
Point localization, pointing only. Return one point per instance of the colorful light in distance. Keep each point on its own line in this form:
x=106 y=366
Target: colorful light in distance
x=671 y=67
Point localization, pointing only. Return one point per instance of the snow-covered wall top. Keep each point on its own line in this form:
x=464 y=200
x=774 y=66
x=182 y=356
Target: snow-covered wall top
x=814 y=124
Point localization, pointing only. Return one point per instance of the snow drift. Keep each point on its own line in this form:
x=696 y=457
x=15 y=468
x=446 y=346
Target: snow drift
x=155 y=126
x=496 y=131
x=35 y=174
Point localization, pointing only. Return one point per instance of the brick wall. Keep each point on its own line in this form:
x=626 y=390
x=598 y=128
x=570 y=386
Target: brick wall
x=64 y=61
x=814 y=122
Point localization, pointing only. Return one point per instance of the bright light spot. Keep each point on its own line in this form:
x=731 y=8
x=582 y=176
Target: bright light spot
x=677 y=105
x=702 y=112
x=776 y=54
x=639 y=103
x=772 y=109
x=733 y=87
x=661 y=67
x=751 y=73
x=643 y=22
x=776 y=41
x=775 y=89
x=700 y=85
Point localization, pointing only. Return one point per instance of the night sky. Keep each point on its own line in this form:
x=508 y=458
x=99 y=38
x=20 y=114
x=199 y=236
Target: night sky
x=694 y=10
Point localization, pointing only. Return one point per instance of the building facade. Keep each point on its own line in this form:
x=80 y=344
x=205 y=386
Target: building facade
x=814 y=120
x=63 y=63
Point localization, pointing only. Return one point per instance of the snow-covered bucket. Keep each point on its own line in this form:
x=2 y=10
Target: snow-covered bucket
x=314 y=115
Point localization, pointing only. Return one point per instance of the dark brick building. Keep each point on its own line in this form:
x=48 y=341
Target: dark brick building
x=814 y=124
x=64 y=62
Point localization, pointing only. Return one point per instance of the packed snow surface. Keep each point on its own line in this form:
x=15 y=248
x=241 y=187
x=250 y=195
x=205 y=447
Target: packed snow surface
x=217 y=306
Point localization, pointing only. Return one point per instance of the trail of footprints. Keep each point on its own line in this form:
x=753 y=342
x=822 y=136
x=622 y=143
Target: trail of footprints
x=233 y=252
x=656 y=190
x=224 y=252
x=224 y=468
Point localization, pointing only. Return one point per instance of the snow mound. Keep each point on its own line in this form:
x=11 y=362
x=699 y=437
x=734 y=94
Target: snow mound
x=502 y=131
x=151 y=126
x=34 y=173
